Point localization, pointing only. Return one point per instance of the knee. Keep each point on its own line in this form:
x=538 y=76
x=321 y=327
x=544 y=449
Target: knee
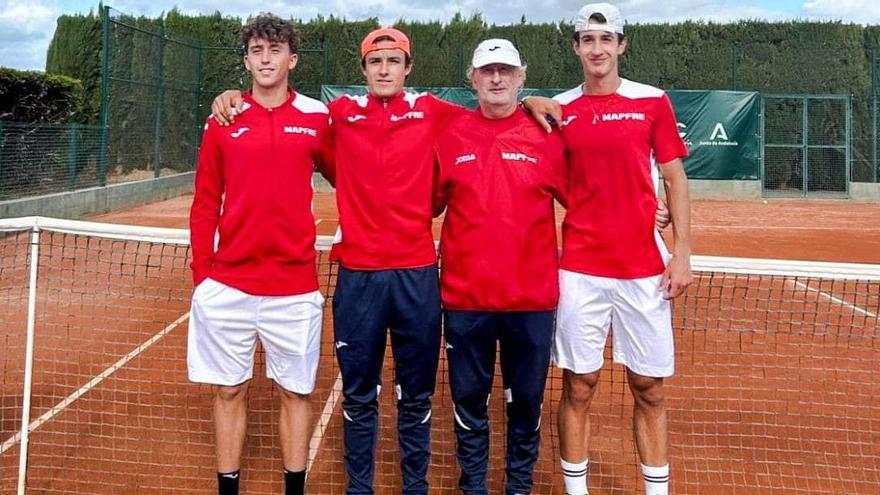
x=292 y=397
x=578 y=390
x=233 y=393
x=647 y=391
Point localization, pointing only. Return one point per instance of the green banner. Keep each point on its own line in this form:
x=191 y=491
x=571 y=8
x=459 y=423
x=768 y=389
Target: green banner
x=721 y=128
x=722 y=132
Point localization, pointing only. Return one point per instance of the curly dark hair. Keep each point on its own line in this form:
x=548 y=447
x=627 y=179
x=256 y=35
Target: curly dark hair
x=272 y=28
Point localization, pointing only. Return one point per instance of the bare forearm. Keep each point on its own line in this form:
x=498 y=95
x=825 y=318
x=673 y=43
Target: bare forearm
x=680 y=211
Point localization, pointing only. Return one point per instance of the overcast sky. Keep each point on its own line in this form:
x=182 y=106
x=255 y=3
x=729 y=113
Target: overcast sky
x=26 y=26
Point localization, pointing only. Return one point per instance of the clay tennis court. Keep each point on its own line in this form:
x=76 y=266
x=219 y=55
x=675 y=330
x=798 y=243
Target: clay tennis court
x=774 y=390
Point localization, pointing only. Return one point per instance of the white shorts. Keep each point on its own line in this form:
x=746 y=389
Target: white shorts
x=224 y=325
x=641 y=317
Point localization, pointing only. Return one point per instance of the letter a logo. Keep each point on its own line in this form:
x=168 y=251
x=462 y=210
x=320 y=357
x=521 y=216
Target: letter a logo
x=718 y=133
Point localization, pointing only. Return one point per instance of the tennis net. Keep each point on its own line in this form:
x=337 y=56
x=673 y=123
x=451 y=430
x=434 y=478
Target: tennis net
x=775 y=389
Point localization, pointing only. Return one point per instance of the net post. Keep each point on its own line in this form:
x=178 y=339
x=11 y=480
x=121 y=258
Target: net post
x=29 y=361
x=105 y=95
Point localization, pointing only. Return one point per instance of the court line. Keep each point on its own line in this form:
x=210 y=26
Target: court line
x=727 y=226
x=14 y=439
x=326 y=415
x=835 y=299
x=324 y=422
x=93 y=382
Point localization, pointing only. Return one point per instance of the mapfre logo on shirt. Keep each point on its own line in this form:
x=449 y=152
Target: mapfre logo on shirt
x=518 y=157
x=609 y=117
x=291 y=129
x=407 y=115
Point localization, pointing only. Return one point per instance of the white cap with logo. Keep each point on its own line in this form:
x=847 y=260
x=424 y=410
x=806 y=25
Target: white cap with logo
x=496 y=51
x=613 y=20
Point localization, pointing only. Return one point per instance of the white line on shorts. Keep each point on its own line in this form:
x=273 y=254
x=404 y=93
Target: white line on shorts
x=836 y=300
x=93 y=382
x=326 y=416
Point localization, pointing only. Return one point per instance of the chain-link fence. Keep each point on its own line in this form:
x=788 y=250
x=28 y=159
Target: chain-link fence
x=150 y=105
x=156 y=94
x=807 y=145
x=48 y=158
x=156 y=90
x=874 y=146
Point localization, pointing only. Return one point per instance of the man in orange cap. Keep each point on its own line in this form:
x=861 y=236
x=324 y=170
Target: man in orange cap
x=378 y=155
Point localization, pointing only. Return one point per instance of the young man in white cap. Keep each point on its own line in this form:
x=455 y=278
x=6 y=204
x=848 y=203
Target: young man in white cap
x=499 y=174
x=615 y=268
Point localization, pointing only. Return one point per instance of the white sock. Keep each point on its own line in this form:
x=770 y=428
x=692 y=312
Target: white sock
x=656 y=479
x=575 y=476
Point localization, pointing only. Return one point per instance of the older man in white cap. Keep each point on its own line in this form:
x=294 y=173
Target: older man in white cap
x=615 y=267
x=499 y=173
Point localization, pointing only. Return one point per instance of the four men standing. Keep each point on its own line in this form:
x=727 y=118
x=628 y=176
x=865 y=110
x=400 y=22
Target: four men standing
x=497 y=175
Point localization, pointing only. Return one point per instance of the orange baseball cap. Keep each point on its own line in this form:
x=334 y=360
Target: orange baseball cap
x=398 y=40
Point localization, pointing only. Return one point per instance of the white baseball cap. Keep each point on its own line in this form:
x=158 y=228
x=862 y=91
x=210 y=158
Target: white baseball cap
x=613 y=20
x=496 y=51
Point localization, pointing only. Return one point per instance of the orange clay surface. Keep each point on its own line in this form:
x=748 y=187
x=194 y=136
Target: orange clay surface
x=775 y=389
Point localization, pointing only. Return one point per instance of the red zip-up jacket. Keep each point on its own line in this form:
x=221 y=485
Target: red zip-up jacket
x=254 y=188
x=498 y=179
x=379 y=156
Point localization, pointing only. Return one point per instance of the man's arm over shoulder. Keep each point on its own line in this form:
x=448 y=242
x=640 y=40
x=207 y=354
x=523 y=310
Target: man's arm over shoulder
x=322 y=154
x=444 y=111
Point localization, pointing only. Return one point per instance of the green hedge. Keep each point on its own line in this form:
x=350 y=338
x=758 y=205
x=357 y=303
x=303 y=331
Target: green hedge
x=787 y=57
x=27 y=96
x=75 y=51
x=790 y=57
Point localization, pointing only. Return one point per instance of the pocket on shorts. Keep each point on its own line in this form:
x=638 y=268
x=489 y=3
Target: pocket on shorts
x=292 y=327
x=207 y=290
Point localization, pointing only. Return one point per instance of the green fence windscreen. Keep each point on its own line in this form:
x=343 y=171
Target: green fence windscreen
x=38 y=159
x=808 y=145
x=721 y=128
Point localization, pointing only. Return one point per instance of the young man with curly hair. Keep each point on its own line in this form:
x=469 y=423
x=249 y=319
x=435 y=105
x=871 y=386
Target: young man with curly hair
x=253 y=237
